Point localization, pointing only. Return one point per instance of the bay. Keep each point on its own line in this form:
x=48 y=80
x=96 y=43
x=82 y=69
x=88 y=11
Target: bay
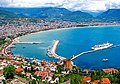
x=72 y=42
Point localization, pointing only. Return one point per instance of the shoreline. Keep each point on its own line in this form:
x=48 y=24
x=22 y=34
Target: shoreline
x=18 y=39
x=42 y=31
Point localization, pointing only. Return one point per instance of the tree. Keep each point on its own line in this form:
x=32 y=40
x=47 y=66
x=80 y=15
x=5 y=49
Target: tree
x=33 y=82
x=60 y=68
x=25 y=69
x=9 y=71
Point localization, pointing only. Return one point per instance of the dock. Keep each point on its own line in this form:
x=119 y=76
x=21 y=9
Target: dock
x=86 y=52
x=28 y=42
x=17 y=41
x=52 y=51
x=90 y=51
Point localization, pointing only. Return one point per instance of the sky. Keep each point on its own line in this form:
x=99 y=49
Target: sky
x=83 y=5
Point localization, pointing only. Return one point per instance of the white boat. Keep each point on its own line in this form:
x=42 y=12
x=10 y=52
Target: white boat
x=101 y=46
x=105 y=60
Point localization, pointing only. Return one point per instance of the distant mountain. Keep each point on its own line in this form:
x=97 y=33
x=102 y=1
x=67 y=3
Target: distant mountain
x=110 y=15
x=78 y=16
x=45 y=12
x=7 y=15
x=51 y=13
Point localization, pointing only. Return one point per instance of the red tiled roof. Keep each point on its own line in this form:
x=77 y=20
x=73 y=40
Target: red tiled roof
x=28 y=74
x=109 y=70
x=105 y=81
x=36 y=73
x=53 y=63
x=44 y=62
x=96 y=82
x=34 y=66
x=18 y=63
x=85 y=79
x=10 y=57
x=18 y=70
x=43 y=74
x=50 y=74
x=12 y=61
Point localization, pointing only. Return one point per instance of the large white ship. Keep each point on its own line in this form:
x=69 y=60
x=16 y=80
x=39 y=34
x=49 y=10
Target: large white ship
x=101 y=46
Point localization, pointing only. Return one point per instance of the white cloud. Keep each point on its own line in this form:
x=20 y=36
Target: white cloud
x=85 y=5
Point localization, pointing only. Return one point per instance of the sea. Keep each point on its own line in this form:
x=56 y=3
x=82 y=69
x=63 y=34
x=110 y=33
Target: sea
x=72 y=42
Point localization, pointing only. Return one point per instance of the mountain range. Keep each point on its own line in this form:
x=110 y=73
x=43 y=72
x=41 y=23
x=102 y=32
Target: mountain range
x=61 y=14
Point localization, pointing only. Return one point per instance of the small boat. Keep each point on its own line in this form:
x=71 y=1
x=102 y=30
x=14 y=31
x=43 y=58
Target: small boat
x=23 y=47
x=35 y=43
x=105 y=60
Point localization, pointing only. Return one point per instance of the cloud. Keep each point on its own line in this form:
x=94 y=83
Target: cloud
x=84 y=5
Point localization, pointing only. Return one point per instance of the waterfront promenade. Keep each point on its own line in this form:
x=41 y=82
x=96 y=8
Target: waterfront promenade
x=28 y=42
x=52 y=51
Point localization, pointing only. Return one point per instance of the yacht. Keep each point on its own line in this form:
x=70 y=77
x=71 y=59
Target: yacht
x=105 y=60
x=101 y=46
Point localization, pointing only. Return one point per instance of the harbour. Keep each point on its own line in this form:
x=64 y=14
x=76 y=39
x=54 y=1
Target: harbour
x=52 y=51
x=74 y=43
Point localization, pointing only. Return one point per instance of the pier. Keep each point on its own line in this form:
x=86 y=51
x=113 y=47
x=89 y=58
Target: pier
x=90 y=51
x=17 y=41
x=86 y=52
x=28 y=42
x=52 y=51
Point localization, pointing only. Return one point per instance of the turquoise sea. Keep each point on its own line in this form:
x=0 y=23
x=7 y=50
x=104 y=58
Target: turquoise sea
x=74 y=41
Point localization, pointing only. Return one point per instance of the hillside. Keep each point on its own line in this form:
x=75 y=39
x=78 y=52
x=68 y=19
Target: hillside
x=78 y=16
x=110 y=15
x=8 y=15
x=51 y=13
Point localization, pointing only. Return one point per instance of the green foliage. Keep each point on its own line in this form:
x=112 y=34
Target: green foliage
x=21 y=75
x=97 y=75
x=33 y=82
x=60 y=68
x=2 y=41
x=3 y=81
x=74 y=78
x=9 y=71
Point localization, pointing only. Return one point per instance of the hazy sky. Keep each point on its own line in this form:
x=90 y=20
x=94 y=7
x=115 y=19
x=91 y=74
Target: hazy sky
x=87 y=5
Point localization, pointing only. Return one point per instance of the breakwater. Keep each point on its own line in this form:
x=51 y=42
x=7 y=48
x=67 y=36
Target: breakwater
x=90 y=51
x=52 y=51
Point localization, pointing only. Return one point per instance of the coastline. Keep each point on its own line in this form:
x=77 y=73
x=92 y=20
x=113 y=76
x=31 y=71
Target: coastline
x=42 y=31
x=18 y=39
